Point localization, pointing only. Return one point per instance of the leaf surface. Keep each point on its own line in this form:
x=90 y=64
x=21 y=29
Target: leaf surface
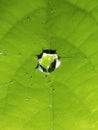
x=67 y=99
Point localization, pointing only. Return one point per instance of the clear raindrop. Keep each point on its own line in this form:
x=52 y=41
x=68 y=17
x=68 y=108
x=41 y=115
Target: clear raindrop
x=48 y=61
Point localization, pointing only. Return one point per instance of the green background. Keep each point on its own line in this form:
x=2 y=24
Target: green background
x=67 y=99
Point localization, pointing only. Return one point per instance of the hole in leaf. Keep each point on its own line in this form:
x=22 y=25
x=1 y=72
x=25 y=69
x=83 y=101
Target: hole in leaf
x=48 y=61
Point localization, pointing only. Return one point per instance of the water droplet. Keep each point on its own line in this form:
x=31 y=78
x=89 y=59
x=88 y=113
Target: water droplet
x=48 y=61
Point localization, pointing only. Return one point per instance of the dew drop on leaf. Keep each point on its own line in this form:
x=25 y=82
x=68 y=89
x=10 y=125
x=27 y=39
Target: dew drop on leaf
x=48 y=61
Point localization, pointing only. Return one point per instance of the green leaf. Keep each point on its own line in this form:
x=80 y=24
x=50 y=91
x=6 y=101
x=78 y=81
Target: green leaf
x=67 y=99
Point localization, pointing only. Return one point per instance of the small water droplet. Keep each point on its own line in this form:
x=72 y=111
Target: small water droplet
x=48 y=61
